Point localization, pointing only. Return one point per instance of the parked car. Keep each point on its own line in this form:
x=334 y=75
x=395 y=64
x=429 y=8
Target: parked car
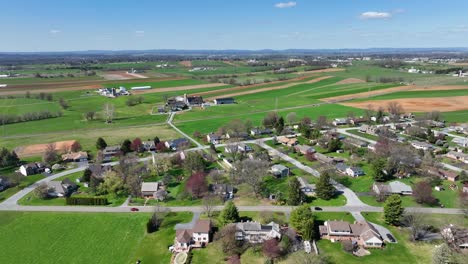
x=391 y=238
x=133 y=209
x=316 y=208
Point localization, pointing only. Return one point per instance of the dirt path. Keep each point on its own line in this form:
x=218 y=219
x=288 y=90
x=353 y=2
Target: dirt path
x=350 y=81
x=274 y=87
x=443 y=104
x=61 y=146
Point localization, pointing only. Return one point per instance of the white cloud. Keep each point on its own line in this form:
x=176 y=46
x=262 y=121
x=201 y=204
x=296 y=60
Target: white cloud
x=54 y=31
x=285 y=5
x=375 y=15
x=140 y=33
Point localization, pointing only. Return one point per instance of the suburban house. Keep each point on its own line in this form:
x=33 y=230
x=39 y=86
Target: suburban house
x=259 y=132
x=238 y=135
x=244 y=147
x=459 y=156
x=196 y=237
x=456 y=236
x=371 y=130
x=445 y=174
x=306 y=188
x=341 y=167
x=357 y=121
x=213 y=138
x=340 y=122
x=288 y=141
x=149 y=189
x=254 y=232
x=225 y=191
x=279 y=170
x=111 y=151
x=221 y=101
x=80 y=156
x=148 y=145
x=361 y=233
x=355 y=142
x=394 y=187
x=355 y=171
x=421 y=145
x=304 y=149
x=61 y=188
x=32 y=168
x=326 y=159
x=175 y=144
x=98 y=170
x=462 y=142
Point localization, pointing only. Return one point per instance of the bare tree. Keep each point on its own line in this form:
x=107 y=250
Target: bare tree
x=108 y=111
x=50 y=155
x=291 y=118
x=41 y=191
x=251 y=172
x=415 y=221
x=209 y=202
x=369 y=112
x=395 y=109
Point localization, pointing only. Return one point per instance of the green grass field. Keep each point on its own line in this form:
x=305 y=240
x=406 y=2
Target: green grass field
x=84 y=238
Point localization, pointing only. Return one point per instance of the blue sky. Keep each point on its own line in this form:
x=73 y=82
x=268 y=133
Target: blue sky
x=52 y=25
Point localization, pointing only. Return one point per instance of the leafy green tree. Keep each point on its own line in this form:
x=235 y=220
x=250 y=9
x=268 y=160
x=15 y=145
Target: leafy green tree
x=294 y=191
x=230 y=214
x=156 y=140
x=463 y=177
x=334 y=144
x=193 y=162
x=393 y=210
x=378 y=168
x=101 y=144
x=126 y=146
x=442 y=254
x=112 y=185
x=303 y=220
x=324 y=189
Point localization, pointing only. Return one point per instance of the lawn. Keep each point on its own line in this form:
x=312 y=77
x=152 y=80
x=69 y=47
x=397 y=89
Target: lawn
x=48 y=237
x=25 y=182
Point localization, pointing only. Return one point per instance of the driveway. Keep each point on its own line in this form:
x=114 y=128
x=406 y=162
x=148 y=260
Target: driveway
x=190 y=225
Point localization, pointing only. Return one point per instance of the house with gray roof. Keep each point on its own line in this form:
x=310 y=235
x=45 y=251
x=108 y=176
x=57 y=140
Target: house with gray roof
x=61 y=188
x=362 y=233
x=279 y=170
x=254 y=232
x=395 y=187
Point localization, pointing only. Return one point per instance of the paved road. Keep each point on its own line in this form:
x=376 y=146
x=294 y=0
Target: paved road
x=351 y=197
x=169 y=122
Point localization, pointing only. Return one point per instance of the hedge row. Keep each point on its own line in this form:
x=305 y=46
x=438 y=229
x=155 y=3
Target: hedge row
x=86 y=201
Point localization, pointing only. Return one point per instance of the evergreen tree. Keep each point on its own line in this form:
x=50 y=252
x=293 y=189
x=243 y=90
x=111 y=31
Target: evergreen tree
x=303 y=220
x=230 y=214
x=126 y=146
x=156 y=140
x=393 y=210
x=463 y=177
x=378 y=167
x=101 y=144
x=325 y=190
x=294 y=191
x=279 y=126
x=87 y=175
